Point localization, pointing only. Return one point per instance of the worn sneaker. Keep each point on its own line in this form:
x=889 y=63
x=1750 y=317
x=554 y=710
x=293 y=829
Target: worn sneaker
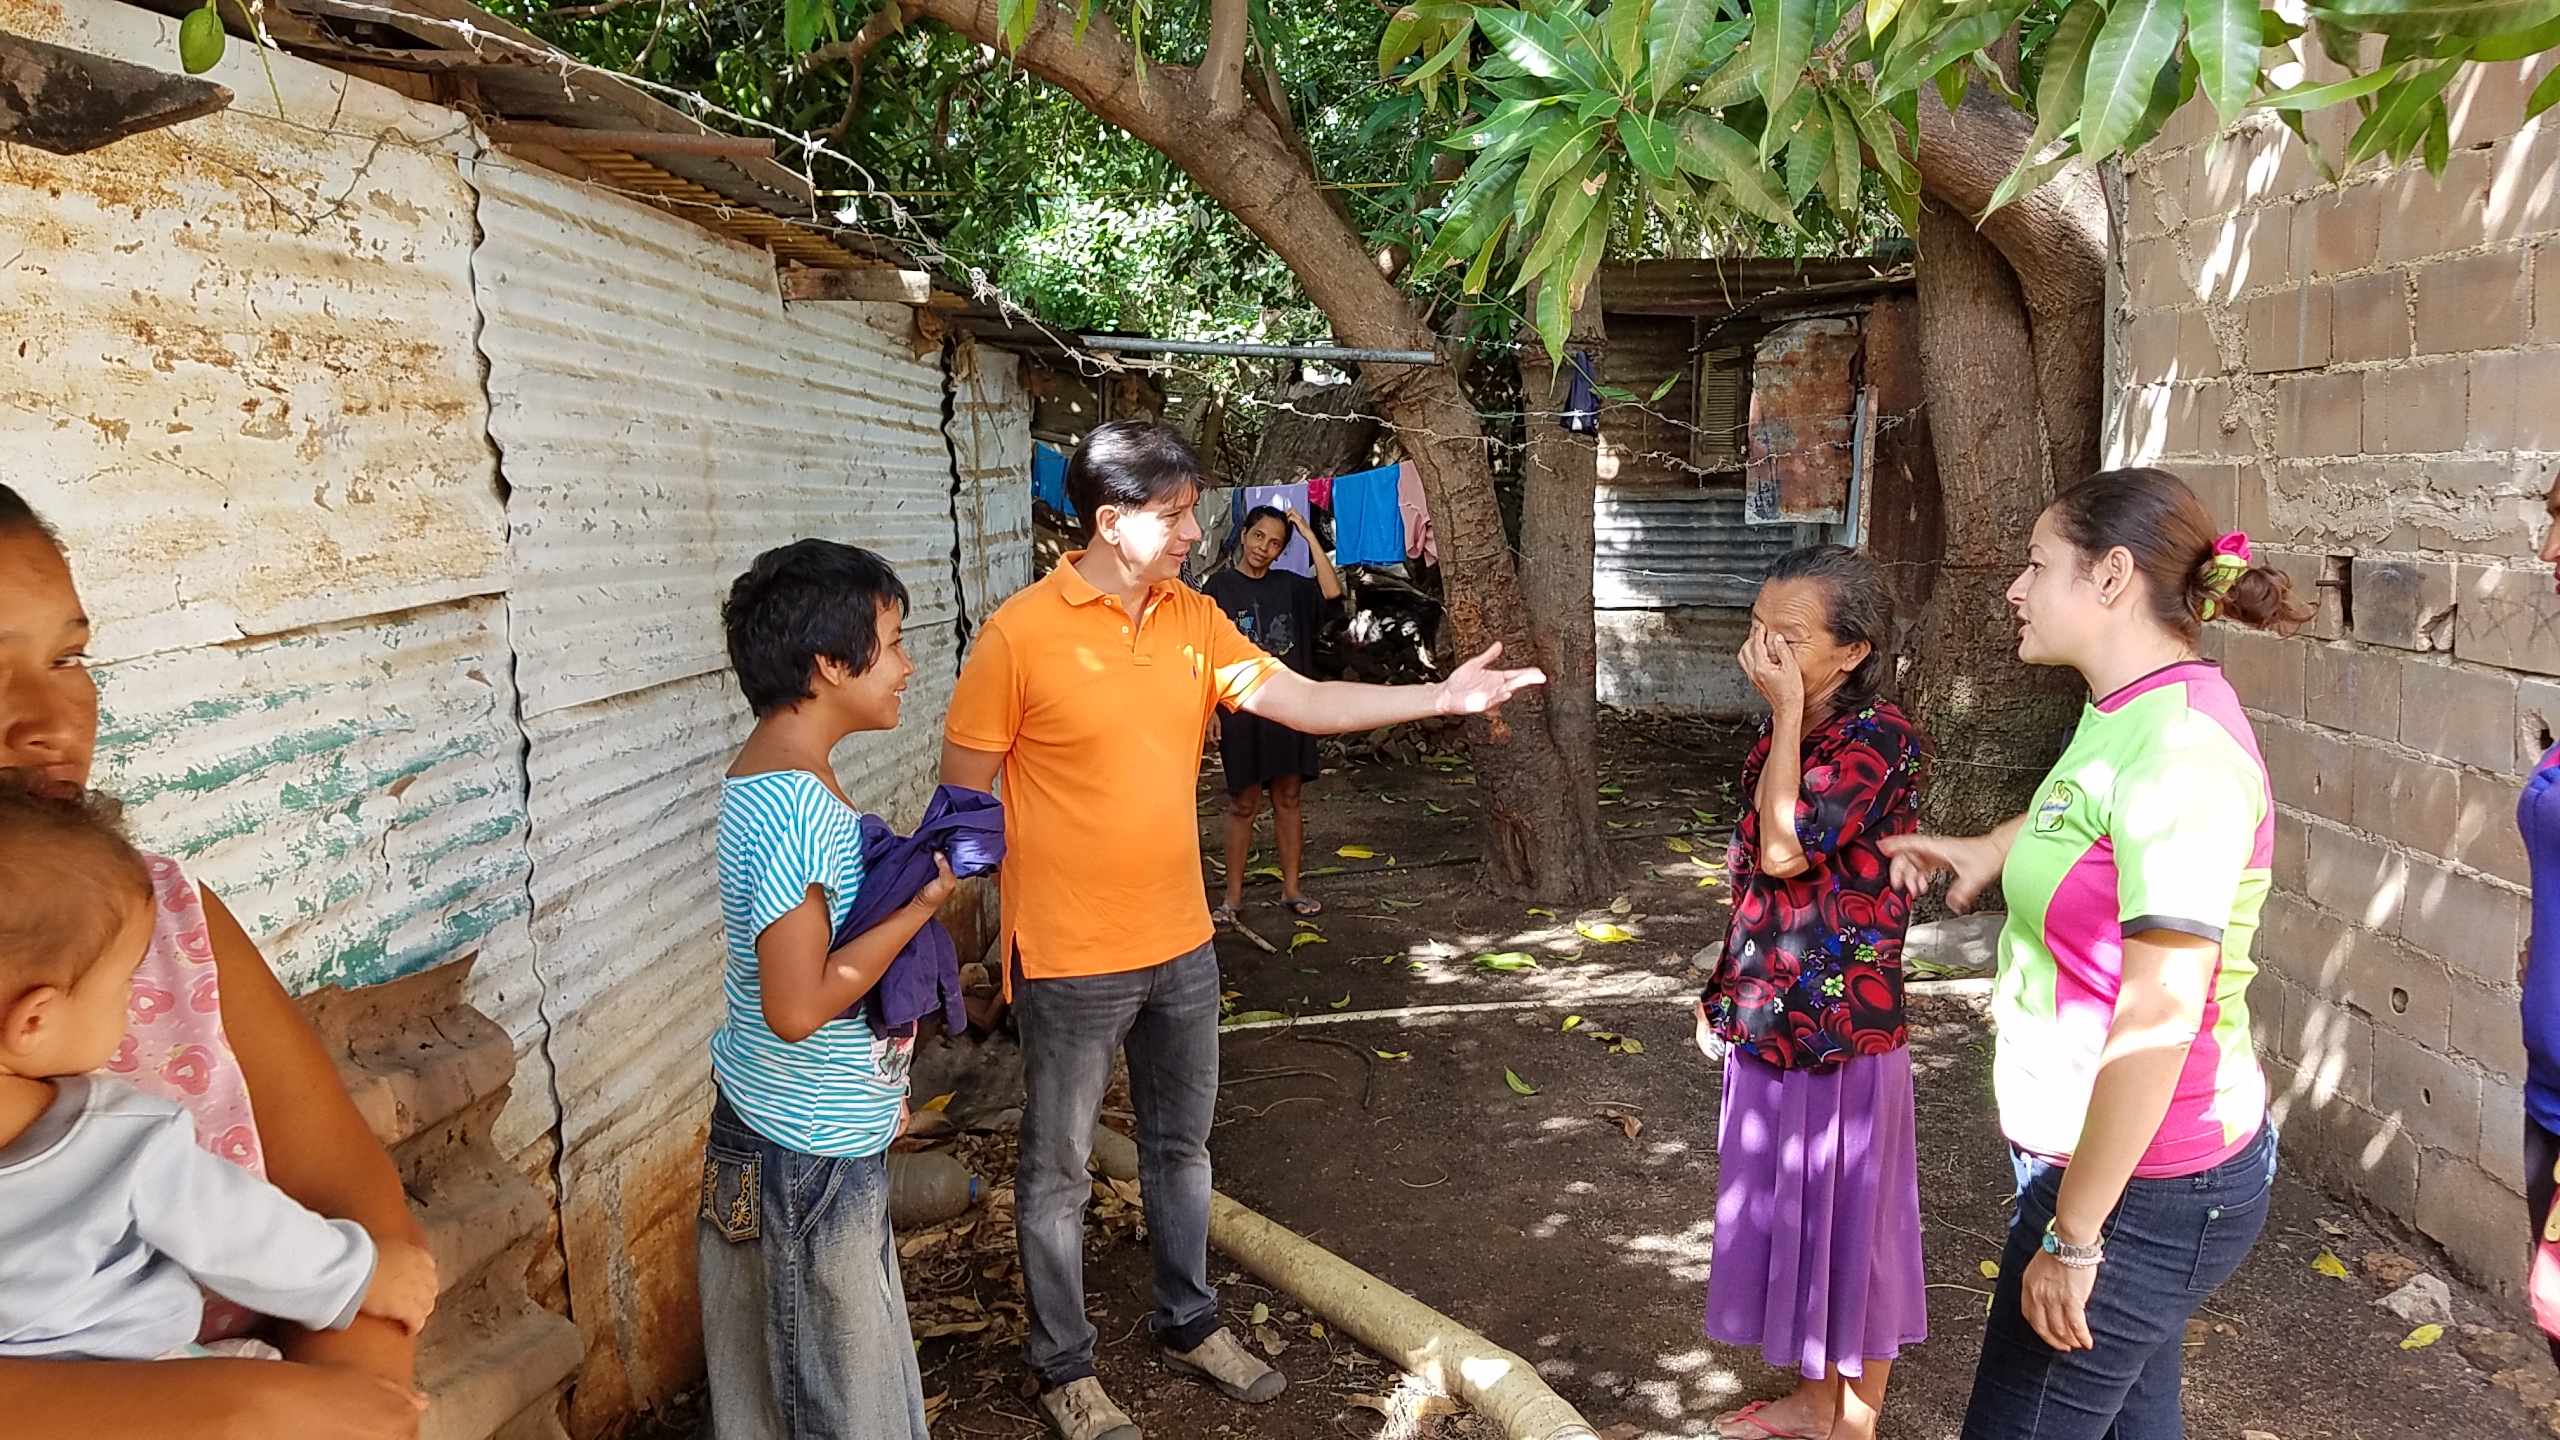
x=1081 y=1411
x=1223 y=1362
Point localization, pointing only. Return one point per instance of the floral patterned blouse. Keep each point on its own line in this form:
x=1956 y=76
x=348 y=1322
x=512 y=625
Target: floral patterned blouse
x=1812 y=967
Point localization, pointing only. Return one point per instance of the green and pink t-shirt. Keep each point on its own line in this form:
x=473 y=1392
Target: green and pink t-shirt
x=2157 y=817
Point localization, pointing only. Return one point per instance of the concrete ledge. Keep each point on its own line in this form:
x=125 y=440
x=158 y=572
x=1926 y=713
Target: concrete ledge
x=483 y=1377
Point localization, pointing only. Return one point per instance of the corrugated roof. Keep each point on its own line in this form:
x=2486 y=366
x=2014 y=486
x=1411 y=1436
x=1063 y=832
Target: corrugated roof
x=1721 y=287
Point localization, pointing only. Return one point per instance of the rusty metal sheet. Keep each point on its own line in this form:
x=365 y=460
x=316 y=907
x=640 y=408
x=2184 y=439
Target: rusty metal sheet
x=354 y=792
x=242 y=378
x=665 y=418
x=1804 y=384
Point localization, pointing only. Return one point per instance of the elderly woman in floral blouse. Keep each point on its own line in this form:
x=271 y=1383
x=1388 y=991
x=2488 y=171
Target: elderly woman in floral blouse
x=1817 y=1237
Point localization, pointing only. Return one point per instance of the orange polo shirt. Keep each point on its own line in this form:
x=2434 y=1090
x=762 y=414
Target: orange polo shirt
x=1101 y=722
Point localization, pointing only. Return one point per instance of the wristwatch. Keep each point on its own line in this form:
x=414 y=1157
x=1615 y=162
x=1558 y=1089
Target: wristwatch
x=2078 y=1257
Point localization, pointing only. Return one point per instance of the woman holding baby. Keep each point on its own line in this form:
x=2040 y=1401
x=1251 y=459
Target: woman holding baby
x=236 y=1055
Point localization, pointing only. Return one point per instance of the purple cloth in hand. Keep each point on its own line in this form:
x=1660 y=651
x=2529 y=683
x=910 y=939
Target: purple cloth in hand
x=967 y=827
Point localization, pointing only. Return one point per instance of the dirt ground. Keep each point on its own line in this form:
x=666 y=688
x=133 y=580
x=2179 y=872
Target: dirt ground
x=1580 y=1241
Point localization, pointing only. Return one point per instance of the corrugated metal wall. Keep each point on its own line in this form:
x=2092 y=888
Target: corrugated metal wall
x=397 y=711
x=664 y=418
x=1674 y=573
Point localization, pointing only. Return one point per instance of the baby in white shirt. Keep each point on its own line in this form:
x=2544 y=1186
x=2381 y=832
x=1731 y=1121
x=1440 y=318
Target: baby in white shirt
x=111 y=1215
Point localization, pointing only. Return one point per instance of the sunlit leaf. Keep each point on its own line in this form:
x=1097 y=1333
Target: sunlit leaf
x=1880 y=14
x=1990 y=1269
x=1623 y=26
x=940 y=1102
x=1675 y=34
x=1782 y=40
x=1356 y=852
x=1809 y=153
x=1342 y=1004
x=1508 y=961
x=1518 y=1085
x=1841 y=186
x=1253 y=1017
x=1716 y=152
x=2398 y=112
x=2026 y=179
x=1650 y=143
x=1679 y=846
x=2065 y=79
x=2544 y=96
x=1604 y=932
x=1305 y=938
x=1669 y=382
x=1393 y=1054
x=1570 y=1021
x=2224 y=36
x=2518 y=44
x=2317 y=97
x=1526 y=41
x=2330 y=1265
x=2422 y=1337
x=2124 y=64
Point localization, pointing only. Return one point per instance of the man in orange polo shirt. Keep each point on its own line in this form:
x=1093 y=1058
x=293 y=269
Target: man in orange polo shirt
x=1090 y=693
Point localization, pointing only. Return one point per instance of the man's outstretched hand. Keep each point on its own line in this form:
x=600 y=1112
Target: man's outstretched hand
x=1476 y=688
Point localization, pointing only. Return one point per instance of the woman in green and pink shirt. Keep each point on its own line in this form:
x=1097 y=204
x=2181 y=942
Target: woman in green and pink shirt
x=2134 y=1107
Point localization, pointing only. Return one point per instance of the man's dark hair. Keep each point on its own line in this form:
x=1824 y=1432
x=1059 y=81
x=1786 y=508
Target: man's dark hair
x=68 y=876
x=807 y=599
x=17 y=516
x=1130 y=464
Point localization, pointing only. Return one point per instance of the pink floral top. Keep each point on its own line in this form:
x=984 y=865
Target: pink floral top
x=174 y=1046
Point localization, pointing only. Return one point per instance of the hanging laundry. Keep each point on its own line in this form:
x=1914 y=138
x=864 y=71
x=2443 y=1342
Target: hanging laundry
x=1320 y=491
x=1049 y=479
x=1581 y=396
x=1368 y=518
x=1418 y=540
x=1215 y=513
x=1291 y=498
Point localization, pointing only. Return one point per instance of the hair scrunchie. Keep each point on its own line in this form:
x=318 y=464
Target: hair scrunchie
x=2230 y=560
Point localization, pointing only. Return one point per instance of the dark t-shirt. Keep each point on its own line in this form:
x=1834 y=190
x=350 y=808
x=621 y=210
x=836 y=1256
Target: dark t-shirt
x=1281 y=612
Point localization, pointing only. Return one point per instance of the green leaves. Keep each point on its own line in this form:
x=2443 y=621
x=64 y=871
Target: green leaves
x=1675 y=35
x=1782 y=41
x=2426 y=18
x=2125 y=61
x=2223 y=35
x=806 y=22
x=1716 y=152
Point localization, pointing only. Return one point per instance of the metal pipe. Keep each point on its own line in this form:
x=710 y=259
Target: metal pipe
x=1142 y=345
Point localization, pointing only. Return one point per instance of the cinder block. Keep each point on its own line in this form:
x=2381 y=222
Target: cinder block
x=2151 y=346
x=2370 y=318
x=2486 y=102
x=2524 y=193
x=2305 y=574
x=2502 y=1131
x=2395 y=987
x=2345 y=226
x=2484 y=833
x=2509 y=618
x=2330 y=1046
x=2546 y=293
x=2288 y=330
x=2418 y=409
x=2405 y=604
x=2512 y=399
x=2456 y=1199
x=2475 y=302
x=2537 y=722
x=2321 y=415
x=2435 y=1096
x=2488 y=1026
x=2415 y=802
x=2217 y=484
x=2347 y=687
x=2155 y=278
x=2309 y=769
x=2355 y=1150
x=2423 y=216
x=2466 y=922
x=2264 y=256
x=2307 y=945
x=2461 y=713
x=2293 y=851
x=2359 y=879
x=2265 y=670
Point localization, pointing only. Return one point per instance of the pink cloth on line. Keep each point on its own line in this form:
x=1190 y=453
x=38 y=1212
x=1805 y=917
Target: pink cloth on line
x=174 y=1046
x=1417 y=515
x=1320 y=491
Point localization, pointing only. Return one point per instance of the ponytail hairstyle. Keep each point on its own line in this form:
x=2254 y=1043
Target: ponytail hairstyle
x=2193 y=575
x=1855 y=609
x=17 y=516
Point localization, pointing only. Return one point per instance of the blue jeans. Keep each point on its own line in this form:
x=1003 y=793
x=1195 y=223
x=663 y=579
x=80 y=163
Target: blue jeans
x=804 y=1319
x=2170 y=1243
x=1071 y=1028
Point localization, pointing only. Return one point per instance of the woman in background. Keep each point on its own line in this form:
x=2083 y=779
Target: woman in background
x=1281 y=611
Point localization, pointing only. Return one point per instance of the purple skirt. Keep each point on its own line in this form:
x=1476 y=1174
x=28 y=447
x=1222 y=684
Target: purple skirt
x=1817 y=1240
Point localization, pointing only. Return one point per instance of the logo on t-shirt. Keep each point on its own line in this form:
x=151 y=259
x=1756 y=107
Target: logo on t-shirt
x=2057 y=803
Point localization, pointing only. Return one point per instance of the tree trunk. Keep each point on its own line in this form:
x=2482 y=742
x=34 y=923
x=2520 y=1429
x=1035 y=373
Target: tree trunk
x=1995 y=723
x=2022 y=295
x=1560 y=478
x=1251 y=164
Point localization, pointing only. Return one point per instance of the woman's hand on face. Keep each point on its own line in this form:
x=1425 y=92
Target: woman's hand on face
x=2054 y=1297
x=1769 y=663
x=1918 y=861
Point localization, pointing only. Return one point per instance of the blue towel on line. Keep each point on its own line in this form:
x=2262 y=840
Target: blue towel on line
x=1368 y=522
x=1049 y=479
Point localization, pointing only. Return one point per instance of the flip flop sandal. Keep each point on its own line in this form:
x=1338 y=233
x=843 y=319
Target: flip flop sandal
x=1758 y=1429
x=1302 y=907
x=1222 y=915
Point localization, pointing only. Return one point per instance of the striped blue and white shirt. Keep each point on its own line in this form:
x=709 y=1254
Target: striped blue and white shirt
x=836 y=1092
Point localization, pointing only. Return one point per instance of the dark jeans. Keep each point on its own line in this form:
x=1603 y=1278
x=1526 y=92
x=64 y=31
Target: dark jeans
x=1071 y=1028
x=2541 y=1152
x=2170 y=1243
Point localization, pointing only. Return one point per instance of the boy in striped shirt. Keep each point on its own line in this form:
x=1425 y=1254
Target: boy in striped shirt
x=803 y=1314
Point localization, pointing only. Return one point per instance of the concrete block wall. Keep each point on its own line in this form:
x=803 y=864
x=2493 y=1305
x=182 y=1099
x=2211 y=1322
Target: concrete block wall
x=2363 y=372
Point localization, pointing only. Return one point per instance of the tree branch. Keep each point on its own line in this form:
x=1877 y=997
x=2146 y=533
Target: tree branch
x=1223 y=68
x=883 y=23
